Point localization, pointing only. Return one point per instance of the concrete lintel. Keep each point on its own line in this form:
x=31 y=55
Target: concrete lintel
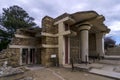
x=49 y=46
x=56 y=35
x=64 y=33
x=73 y=33
x=48 y=34
x=22 y=46
x=22 y=36
x=64 y=19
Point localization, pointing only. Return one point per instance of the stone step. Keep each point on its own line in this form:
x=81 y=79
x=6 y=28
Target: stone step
x=106 y=73
x=111 y=62
x=114 y=57
x=85 y=67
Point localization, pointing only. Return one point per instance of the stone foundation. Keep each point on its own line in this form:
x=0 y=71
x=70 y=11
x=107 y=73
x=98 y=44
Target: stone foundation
x=12 y=56
x=46 y=56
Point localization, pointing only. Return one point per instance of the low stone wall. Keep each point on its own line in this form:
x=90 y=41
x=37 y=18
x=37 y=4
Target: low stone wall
x=113 y=51
x=10 y=55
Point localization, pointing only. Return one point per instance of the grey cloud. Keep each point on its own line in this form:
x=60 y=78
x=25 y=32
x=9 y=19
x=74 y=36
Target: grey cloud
x=39 y=8
x=115 y=35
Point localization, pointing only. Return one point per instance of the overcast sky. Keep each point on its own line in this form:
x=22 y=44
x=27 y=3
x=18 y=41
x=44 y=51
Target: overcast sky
x=40 y=8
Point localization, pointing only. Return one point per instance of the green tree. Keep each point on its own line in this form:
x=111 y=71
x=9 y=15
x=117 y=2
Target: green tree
x=4 y=39
x=12 y=19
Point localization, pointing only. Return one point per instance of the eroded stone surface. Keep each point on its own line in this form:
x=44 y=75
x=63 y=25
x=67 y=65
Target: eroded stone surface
x=9 y=71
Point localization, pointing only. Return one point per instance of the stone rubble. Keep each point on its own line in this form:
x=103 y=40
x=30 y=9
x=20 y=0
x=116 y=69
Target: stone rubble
x=27 y=78
x=117 y=69
x=8 y=70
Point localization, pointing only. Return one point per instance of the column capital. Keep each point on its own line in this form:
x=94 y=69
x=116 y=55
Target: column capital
x=84 y=27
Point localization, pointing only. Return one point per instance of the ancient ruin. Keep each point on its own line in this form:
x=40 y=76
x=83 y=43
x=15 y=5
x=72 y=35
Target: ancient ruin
x=77 y=36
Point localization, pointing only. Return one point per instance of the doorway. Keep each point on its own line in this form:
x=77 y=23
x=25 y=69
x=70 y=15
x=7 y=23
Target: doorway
x=29 y=56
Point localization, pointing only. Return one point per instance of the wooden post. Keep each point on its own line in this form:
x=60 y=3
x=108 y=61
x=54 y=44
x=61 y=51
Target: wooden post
x=72 y=63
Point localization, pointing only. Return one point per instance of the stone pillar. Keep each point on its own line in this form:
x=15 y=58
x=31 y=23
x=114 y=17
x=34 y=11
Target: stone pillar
x=100 y=44
x=61 y=43
x=84 y=42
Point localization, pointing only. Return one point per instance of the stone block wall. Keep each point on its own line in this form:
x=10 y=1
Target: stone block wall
x=75 y=48
x=92 y=45
x=38 y=42
x=50 y=40
x=24 y=41
x=10 y=55
x=48 y=27
x=25 y=32
x=14 y=57
x=46 y=56
x=38 y=57
x=113 y=51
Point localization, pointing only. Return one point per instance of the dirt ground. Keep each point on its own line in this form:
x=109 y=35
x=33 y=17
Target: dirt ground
x=63 y=74
x=56 y=74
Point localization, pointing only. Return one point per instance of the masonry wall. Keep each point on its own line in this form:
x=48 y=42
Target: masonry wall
x=48 y=27
x=49 y=40
x=92 y=45
x=12 y=55
x=75 y=48
x=24 y=41
x=113 y=51
x=46 y=56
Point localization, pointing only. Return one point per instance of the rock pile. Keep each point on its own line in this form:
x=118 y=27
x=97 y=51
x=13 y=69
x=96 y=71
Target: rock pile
x=8 y=70
x=117 y=69
x=27 y=78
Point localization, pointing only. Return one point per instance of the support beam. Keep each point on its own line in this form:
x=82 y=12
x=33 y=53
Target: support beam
x=61 y=42
x=49 y=46
x=23 y=36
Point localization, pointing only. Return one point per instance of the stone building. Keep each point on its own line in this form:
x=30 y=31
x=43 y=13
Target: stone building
x=79 y=35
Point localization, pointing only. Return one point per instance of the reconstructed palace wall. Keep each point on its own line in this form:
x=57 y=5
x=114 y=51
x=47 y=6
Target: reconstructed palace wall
x=48 y=27
x=92 y=45
x=75 y=48
x=24 y=41
x=67 y=36
x=13 y=53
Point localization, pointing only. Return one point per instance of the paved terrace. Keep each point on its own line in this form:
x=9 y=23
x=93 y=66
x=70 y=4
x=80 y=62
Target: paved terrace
x=108 y=68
